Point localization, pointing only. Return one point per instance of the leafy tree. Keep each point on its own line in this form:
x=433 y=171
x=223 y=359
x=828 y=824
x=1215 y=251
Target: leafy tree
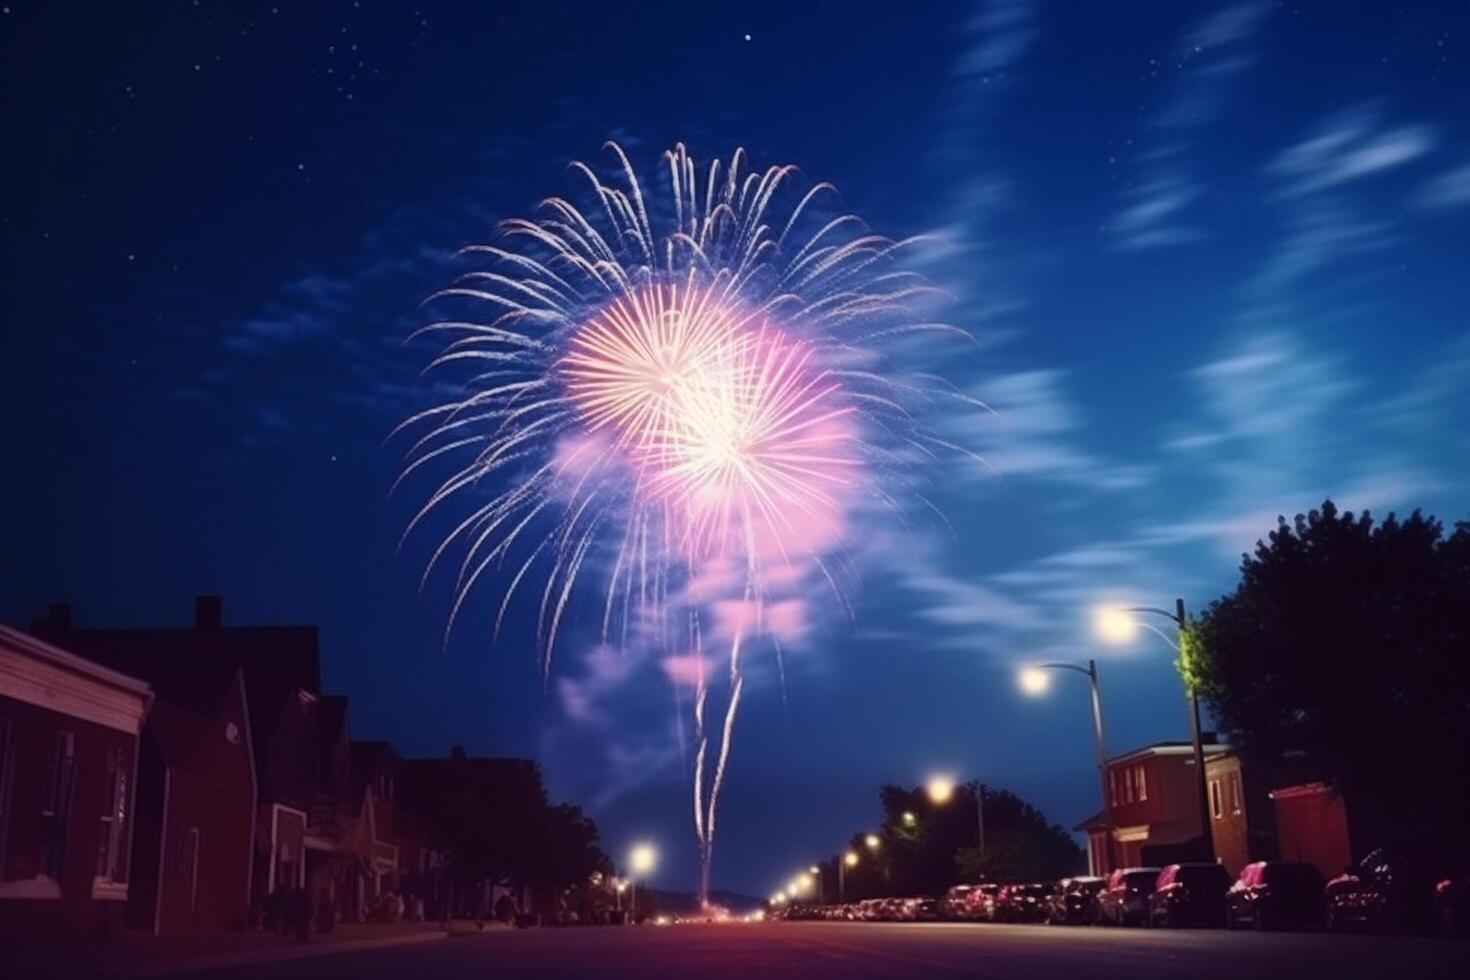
x=937 y=847
x=1346 y=644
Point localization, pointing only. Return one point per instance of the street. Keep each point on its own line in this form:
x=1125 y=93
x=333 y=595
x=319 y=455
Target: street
x=815 y=950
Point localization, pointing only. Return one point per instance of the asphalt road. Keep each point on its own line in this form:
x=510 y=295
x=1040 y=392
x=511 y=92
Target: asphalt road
x=819 y=950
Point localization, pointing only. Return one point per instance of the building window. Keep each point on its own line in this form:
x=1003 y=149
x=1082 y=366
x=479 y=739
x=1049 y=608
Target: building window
x=1216 y=810
x=112 y=840
x=1142 y=785
x=1235 y=793
x=1113 y=787
x=61 y=772
x=7 y=766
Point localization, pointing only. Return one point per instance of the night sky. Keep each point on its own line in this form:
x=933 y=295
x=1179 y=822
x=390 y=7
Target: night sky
x=1214 y=255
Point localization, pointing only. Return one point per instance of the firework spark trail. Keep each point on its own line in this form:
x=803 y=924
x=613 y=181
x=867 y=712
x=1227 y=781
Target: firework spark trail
x=696 y=399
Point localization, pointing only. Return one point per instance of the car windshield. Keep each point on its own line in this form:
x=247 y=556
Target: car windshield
x=1202 y=876
x=1033 y=890
x=1136 y=878
x=1302 y=876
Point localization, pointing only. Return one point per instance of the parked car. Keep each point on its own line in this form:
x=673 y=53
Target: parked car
x=1381 y=894
x=1189 y=895
x=1021 y=903
x=1275 y=895
x=980 y=903
x=955 y=905
x=1452 y=907
x=1123 y=900
x=1070 y=901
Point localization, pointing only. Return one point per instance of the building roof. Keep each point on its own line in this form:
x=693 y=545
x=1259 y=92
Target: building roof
x=1210 y=745
x=277 y=660
x=70 y=662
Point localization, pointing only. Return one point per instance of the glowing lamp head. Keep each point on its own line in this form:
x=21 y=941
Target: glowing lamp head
x=940 y=789
x=850 y=859
x=1114 y=625
x=1033 y=680
x=909 y=819
x=814 y=870
x=642 y=859
x=779 y=898
x=873 y=841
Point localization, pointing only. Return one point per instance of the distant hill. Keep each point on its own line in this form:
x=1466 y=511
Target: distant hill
x=677 y=902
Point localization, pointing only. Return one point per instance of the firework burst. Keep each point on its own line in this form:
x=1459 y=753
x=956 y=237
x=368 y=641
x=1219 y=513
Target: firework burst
x=666 y=400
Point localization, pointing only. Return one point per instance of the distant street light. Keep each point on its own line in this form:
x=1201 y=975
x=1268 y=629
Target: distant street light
x=909 y=819
x=1117 y=625
x=941 y=791
x=849 y=860
x=1034 y=681
x=779 y=898
x=873 y=841
x=641 y=861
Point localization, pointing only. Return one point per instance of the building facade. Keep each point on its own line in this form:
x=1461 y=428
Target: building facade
x=295 y=782
x=1312 y=826
x=1154 y=796
x=69 y=744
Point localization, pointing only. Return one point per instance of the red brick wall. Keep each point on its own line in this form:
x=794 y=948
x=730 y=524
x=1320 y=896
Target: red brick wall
x=76 y=916
x=1311 y=825
x=209 y=791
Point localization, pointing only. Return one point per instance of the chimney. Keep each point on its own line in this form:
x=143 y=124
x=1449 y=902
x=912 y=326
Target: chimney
x=208 y=614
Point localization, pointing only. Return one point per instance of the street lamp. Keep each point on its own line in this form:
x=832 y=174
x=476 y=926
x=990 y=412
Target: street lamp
x=873 y=841
x=641 y=861
x=1034 y=681
x=1117 y=625
x=941 y=791
x=909 y=819
x=849 y=860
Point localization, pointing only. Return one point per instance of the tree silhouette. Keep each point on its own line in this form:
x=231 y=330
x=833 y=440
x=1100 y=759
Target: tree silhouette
x=1345 y=644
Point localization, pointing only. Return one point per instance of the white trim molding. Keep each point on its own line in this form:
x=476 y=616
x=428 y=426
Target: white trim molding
x=40 y=674
x=39 y=887
x=107 y=890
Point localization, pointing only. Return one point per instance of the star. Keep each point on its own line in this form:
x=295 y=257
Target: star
x=747 y=37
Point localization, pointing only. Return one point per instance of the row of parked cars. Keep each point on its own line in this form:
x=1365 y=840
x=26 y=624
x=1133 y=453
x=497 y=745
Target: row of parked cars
x=1378 y=895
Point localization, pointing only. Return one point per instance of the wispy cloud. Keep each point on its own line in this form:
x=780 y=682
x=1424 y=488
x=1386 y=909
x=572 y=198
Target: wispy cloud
x=1035 y=433
x=1450 y=189
x=1350 y=146
x=1151 y=214
x=1200 y=68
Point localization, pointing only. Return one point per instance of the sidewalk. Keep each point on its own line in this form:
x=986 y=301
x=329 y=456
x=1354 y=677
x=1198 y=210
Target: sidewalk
x=149 y=956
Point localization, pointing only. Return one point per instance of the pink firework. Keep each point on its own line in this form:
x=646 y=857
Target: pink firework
x=681 y=406
x=728 y=423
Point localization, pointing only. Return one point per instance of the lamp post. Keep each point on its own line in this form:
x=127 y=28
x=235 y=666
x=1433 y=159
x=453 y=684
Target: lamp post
x=641 y=861
x=1034 y=681
x=849 y=860
x=1117 y=627
x=819 y=893
x=941 y=791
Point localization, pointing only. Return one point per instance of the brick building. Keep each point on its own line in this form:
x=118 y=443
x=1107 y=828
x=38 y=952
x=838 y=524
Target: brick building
x=1312 y=826
x=298 y=775
x=1154 y=792
x=68 y=759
